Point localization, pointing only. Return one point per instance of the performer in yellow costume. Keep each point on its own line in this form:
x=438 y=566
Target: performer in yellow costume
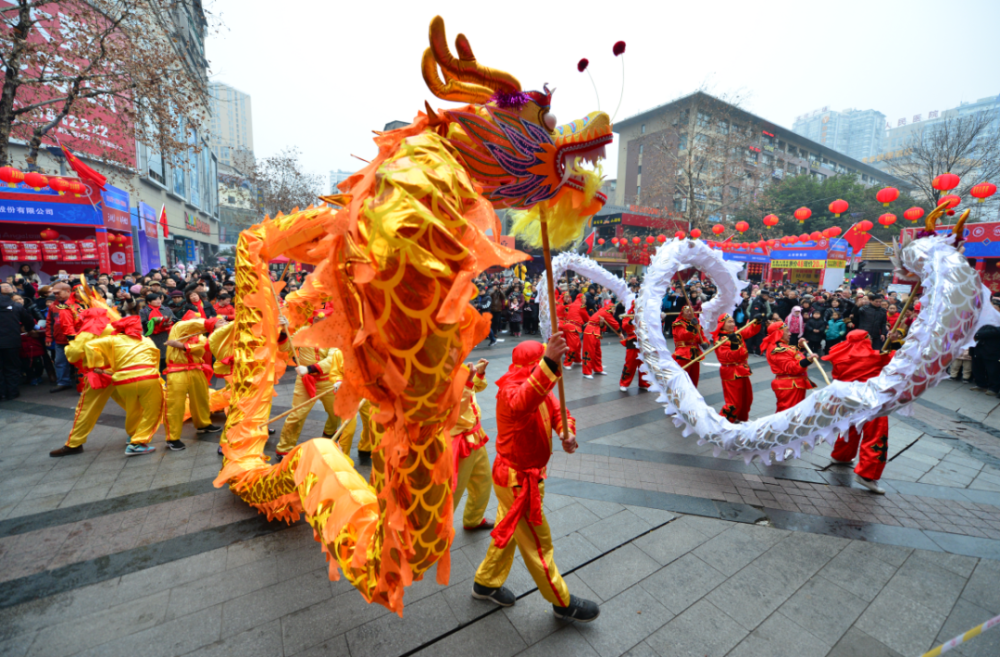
x=369 y=434
x=320 y=373
x=97 y=388
x=188 y=375
x=468 y=444
x=135 y=361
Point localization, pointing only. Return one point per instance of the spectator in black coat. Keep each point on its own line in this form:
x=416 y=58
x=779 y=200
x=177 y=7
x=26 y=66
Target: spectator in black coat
x=815 y=332
x=872 y=319
x=14 y=320
x=986 y=360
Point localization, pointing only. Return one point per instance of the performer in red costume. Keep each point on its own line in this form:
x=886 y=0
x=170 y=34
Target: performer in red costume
x=732 y=355
x=631 y=344
x=855 y=360
x=572 y=329
x=688 y=340
x=592 y=340
x=788 y=365
x=527 y=413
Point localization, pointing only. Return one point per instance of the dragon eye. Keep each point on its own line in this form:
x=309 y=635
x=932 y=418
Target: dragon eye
x=550 y=121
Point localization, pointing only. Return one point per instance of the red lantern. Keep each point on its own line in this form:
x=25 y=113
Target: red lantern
x=946 y=182
x=614 y=240
x=36 y=181
x=951 y=199
x=771 y=220
x=75 y=187
x=803 y=213
x=679 y=235
x=59 y=184
x=887 y=219
x=865 y=226
x=636 y=240
x=816 y=236
x=600 y=241
x=718 y=229
x=804 y=237
x=913 y=214
x=696 y=233
x=887 y=195
x=11 y=176
x=983 y=191
x=649 y=239
x=770 y=244
x=742 y=226
x=838 y=207
x=49 y=234
x=834 y=231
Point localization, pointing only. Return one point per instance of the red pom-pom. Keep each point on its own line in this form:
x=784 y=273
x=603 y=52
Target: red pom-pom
x=619 y=48
x=582 y=64
x=951 y=213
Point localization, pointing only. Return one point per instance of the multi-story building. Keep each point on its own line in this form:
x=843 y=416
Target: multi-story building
x=238 y=209
x=653 y=158
x=232 y=123
x=857 y=134
x=337 y=177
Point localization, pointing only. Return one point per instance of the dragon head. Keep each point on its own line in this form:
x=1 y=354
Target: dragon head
x=508 y=139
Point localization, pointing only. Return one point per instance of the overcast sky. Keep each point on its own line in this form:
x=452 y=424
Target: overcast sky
x=323 y=74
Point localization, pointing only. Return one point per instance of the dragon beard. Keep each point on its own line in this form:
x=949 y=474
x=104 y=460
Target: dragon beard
x=570 y=209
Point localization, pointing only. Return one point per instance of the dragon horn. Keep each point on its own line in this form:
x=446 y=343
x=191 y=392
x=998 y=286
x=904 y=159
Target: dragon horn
x=960 y=224
x=465 y=69
x=452 y=89
x=931 y=222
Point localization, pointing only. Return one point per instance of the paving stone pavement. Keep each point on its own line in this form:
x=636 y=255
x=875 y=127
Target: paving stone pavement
x=687 y=554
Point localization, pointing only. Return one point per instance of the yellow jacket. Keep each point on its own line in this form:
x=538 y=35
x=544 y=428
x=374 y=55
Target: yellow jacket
x=469 y=413
x=221 y=344
x=131 y=358
x=74 y=350
x=329 y=362
x=191 y=333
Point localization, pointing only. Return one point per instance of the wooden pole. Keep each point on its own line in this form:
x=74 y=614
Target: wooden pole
x=714 y=347
x=547 y=256
x=292 y=410
x=816 y=363
x=906 y=306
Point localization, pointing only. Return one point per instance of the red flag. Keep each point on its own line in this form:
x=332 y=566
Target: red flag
x=163 y=221
x=856 y=238
x=84 y=171
x=587 y=246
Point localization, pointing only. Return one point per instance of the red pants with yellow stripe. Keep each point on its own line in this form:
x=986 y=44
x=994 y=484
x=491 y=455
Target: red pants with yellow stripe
x=535 y=544
x=89 y=408
x=874 y=442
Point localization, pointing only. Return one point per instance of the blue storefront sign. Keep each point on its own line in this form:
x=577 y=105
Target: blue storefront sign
x=191 y=249
x=148 y=237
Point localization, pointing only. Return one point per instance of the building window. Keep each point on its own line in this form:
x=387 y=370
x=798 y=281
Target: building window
x=640 y=149
x=642 y=129
x=734 y=193
x=703 y=119
x=640 y=169
x=680 y=204
x=682 y=143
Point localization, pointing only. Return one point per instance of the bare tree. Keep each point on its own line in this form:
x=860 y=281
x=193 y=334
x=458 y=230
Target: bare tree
x=703 y=161
x=965 y=145
x=279 y=183
x=103 y=72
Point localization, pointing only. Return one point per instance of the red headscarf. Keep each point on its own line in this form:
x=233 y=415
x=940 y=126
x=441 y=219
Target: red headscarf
x=526 y=355
x=718 y=329
x=774 y=332
x=857 y=345
x=130 y=326
x=92 y=320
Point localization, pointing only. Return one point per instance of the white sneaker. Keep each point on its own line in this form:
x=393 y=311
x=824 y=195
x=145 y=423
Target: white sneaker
x=623 y=388
x=588 y=376
x=601 y=373
x=869 y=484
x=499 y=339
x=567 y=367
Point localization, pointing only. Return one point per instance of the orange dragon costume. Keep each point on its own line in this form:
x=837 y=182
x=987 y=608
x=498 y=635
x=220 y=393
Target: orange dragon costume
x=395 y=255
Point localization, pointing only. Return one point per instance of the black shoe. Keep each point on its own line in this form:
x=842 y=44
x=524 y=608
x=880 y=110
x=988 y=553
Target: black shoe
x=578 y=610
x=61 y=388
x=270 y=432
x=209 y=429
x=67 y=451
x=176 y=445
x=364 y=458
x=501 y=596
